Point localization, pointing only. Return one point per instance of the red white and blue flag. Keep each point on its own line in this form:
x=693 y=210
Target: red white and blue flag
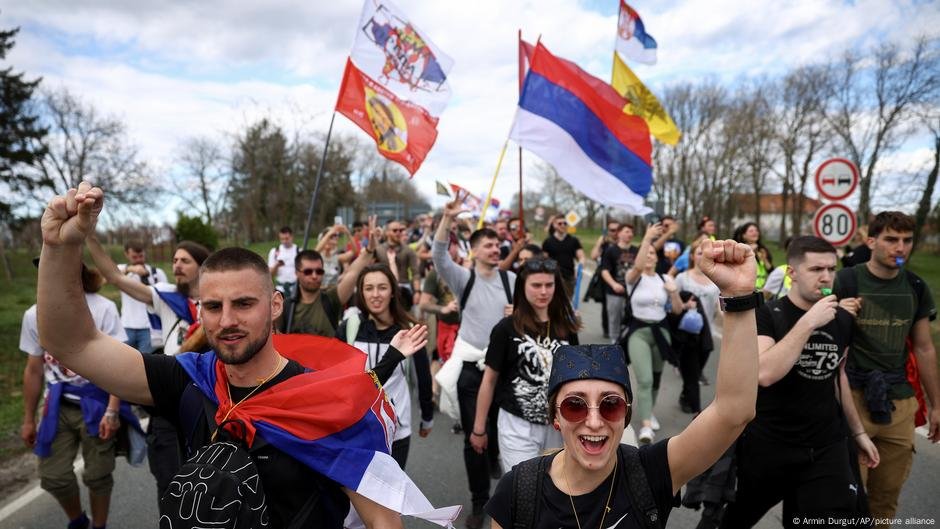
x=633 y=42
x=576 y=122
x=334 y=418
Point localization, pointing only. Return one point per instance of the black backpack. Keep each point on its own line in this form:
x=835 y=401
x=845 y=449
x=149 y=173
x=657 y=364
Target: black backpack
x=219 y=485
x=527 y=490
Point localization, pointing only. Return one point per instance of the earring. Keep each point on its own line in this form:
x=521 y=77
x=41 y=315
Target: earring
x=556 y=426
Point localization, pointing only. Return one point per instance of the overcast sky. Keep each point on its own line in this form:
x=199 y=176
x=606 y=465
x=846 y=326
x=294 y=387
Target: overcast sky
x=175 y=69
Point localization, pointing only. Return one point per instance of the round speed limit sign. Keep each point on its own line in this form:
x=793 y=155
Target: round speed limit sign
x=835 y=223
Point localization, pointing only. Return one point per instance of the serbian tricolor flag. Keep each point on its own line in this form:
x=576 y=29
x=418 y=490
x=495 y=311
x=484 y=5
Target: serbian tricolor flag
x=576 y=122
x=395 y=85
x=633 y=42
x=335 y=419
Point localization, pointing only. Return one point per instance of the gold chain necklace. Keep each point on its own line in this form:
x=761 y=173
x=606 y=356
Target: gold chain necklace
x=613 y=479
x=228 y=389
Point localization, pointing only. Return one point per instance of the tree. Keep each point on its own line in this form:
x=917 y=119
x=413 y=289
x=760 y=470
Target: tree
x=193 y=228
x=871 y=106
x=932 y=122
x=21 y=133
x=83 y=145
x=202 y=187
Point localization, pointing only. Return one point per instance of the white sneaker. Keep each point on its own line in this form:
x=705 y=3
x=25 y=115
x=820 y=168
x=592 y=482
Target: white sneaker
x=654 y=423
x=646 y=435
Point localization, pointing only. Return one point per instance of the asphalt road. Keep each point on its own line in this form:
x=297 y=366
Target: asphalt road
x=436 y=466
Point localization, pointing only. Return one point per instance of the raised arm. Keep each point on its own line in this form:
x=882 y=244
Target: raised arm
x=66 y=328
x=113 y=274
x=347 y=284
x=453 y=274
x=642 y=255
x=732 y=267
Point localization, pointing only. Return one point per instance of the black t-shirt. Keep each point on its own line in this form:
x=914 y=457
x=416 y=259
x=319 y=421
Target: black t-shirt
x=555 y=505
x=564 y=251
x=801 y=408
x=287 y=482
x=617 y=261
x=524 y=364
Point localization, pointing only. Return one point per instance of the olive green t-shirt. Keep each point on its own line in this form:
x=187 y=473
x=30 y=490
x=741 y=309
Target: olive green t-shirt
x=889 y=310
x=442 y=296
x=311 y=318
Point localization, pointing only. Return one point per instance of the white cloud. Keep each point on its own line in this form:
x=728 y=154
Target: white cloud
x=176 y=69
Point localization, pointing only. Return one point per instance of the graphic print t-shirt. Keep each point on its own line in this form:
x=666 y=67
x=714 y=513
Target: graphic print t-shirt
x=801 y=408
x=524 y=364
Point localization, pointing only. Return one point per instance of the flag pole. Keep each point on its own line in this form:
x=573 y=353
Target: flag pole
x=295 y=294
x=489 y=195
x=521 y=234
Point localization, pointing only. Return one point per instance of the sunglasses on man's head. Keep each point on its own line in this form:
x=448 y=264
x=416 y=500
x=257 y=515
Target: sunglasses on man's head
x=541 y=265
x=311 y=271
x=575 y=409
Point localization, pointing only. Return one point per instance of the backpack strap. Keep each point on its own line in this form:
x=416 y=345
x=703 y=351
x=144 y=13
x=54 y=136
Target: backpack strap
x=466 y=290
x=353 y=321
x=328 y=309
x=526 y=491
x=638 y=488
x=504 y=276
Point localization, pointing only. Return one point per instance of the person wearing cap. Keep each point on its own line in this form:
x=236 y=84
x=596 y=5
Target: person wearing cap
x=795 y=450
x=76 y=414
x=589 y=483
x=519 y=361
x=892 y=306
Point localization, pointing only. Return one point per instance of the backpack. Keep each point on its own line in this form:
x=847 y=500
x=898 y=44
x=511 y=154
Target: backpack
x=503 y=276
x=527 y=490
x=219 y=486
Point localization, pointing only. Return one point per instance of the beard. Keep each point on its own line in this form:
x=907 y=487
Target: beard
x=183 y=288
x=242 y=353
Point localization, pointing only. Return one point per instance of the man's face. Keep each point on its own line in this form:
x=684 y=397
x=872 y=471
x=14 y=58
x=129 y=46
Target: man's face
x=502 y=230
x=889 y=245
x=134 y=257
x=393 y=232
x=487 y=251
x=185 y=268
x=561 y=225
x=625 y=235
x=236 y=310
x=612 y=229
x=310 y=275
x=287 y=239
x=815 y=272
x=668 y=224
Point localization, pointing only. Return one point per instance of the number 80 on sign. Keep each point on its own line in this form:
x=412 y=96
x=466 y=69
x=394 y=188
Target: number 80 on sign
x=835 y=223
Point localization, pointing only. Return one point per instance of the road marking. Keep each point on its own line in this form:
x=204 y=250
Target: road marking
x=30 y=495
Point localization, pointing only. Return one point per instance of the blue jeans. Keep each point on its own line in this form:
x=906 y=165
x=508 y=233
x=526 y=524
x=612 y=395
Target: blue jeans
x=139 y=339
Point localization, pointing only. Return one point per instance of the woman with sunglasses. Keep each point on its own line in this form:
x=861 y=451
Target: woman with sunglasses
x=647 y=340
x=383 y=315
x=518 y=362
x=595 y=481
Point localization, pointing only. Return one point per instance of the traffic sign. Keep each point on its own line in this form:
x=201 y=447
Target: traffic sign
x=836 y=178
x=835 y=223
x=572 y=218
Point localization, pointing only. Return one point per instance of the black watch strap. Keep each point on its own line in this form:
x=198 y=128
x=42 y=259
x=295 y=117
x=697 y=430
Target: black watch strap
x=741 y=303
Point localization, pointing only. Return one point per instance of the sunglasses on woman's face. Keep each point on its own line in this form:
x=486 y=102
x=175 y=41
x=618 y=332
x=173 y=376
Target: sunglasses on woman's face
x=311 y=271
x=541 y=265
x=612 y=408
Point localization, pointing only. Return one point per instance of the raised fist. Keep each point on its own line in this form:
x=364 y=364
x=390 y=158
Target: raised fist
x=730 y=265
x=69 y=219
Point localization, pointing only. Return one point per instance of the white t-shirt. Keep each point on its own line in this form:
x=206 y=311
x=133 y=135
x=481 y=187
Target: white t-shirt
x=105 y=315
x=286 y=273
x=133 y=312
x=174 y=328
x=707 y=294
x=648 y=298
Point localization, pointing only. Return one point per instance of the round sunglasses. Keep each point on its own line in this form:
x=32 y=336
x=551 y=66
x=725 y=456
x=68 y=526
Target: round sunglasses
x=575 y=409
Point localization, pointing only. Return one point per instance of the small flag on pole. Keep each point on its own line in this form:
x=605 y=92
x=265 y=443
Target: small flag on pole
x=633 y=42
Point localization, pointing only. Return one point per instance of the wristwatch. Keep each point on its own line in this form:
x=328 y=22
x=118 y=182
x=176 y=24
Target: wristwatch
x=741 y=303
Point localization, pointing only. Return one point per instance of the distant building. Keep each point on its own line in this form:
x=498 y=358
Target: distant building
x=771 y=210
